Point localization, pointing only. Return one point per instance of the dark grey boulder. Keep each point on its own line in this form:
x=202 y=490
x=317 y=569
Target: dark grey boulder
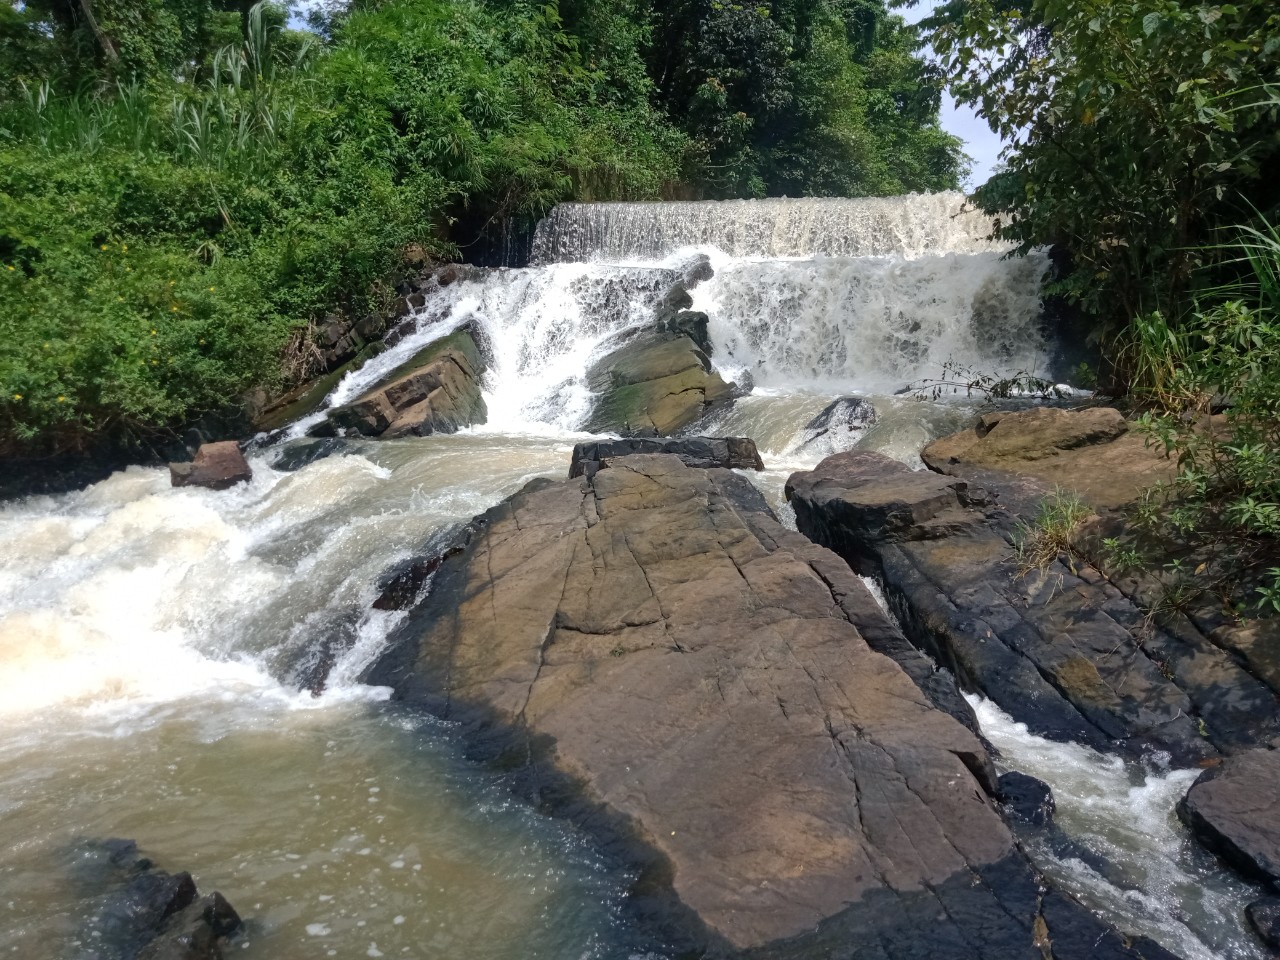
x=729 y=452
x=1264 y=917
x=1026 y=798
x=300 y=453
x=1234 y=810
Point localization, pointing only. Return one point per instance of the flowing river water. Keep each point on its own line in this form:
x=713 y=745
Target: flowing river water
x=153 y=640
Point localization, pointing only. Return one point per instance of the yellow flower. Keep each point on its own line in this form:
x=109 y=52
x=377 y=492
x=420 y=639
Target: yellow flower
x=103 y=247
x=153 y=333
x=11 y=269
x=173 y=309
x=171 y=283
x=155 y=363
x=211 y=289
x=202 y=340
x=124 y=246
x=62 y=399
x=17 y=396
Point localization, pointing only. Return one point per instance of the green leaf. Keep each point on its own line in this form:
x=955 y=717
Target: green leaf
x=1150 y=23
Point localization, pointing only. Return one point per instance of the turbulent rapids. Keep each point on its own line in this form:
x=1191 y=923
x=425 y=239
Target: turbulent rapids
x=156 y=644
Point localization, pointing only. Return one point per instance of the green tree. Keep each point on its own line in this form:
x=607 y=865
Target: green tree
x=1136 y=131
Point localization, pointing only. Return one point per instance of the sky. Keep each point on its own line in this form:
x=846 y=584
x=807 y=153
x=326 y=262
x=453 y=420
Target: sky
x=979 y=142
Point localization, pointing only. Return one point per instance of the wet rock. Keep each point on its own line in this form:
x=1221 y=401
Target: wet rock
x=1234 y=810
x=655 y=384
x=1060 y=649
x=308 y=397
x=196 y=933
x=216 y=466
x=729 y=452
x=300 y=453
x=1264 y=917
x=1026 y=798
x=839 y=426
x=692 y=324
x=649 y=652
x=399 y=587
x=437 y=391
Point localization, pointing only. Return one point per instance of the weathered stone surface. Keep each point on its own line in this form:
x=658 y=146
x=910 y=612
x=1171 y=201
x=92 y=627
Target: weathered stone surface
x=1026 y=798
x=1060 y=649
x=1092 y=451
x=1234 y=810
x=437 y=391
x=216 y=466
x=651 y=653
x=839 y=426
x=655 y=384
x=728 y=452
x=1264 y=917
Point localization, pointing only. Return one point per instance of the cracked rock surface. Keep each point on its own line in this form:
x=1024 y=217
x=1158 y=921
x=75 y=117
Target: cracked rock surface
x=655 y=657
x=1061 y=649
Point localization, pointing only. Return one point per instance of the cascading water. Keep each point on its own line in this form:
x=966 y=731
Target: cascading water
x=153 y=641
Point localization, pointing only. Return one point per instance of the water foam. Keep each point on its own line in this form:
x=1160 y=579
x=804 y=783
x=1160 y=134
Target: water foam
x=1159 y=880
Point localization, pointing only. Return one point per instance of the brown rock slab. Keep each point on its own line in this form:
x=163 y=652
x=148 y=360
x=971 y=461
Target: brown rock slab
x=665 y=663
x=1234 y=810
x=216 y=466
x=1091 y=451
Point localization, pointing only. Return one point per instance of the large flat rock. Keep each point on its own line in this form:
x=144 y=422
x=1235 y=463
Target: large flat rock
x=652 y=654
x=1060 y=648
x=1092 y=451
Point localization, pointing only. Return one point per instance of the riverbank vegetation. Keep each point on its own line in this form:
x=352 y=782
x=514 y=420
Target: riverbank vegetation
x=1144 y=140
x=186 y=184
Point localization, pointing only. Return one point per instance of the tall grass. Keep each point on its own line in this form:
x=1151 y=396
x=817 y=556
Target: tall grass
x=235 y=121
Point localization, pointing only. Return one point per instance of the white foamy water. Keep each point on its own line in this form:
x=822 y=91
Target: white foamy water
x=1159 y=881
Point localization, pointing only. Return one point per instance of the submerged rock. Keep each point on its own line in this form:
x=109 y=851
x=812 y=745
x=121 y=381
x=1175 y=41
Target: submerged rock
x=142 y=913
x=1264 y=917
x=436 y=391
x=649 y=652
x=1060 y=648
x=216 y=466
x=1234 y=810
x=301 y=453
x=729 y=452
x=839 y=426
x=653 y=385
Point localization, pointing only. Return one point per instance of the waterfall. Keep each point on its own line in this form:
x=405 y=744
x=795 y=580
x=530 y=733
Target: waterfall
x=911 y=226
x=814 y=295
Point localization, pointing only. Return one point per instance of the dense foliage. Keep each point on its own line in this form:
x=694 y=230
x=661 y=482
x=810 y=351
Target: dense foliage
x=186 y=184
x=1137 y=131
x=1142 y=136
